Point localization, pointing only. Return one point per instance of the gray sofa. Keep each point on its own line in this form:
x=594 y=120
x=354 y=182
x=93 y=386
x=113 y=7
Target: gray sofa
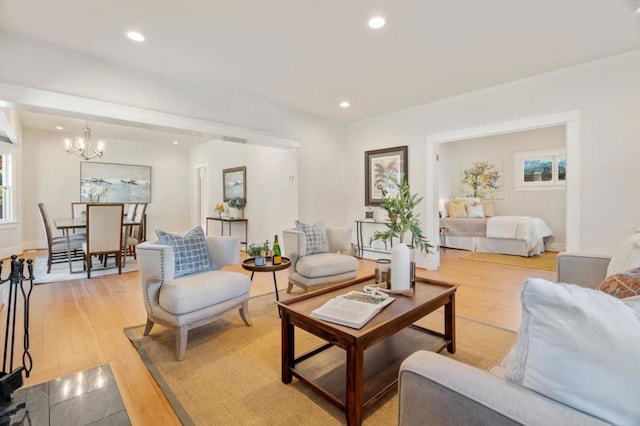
x=437 y=390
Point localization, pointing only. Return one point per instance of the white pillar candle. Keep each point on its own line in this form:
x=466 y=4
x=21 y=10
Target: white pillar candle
x=400 y=267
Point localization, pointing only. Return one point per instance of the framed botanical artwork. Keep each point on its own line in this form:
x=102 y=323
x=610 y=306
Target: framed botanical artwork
x=114 y=183
x=382 y=167
x=234 y=182
x=482 y=179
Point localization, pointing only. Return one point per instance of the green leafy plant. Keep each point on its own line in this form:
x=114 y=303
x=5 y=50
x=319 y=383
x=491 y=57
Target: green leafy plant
x=403 y=220
x=254 y=249
x=237 y=202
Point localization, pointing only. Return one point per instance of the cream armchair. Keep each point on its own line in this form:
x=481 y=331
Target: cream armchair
x=190 y=301
x=319 y=269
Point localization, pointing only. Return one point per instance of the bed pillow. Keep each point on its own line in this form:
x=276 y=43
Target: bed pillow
x=190 y=251
x=317 y=240
x=456 y=209
x=475 y=211
x=579 y=346
x=623 y=285
x=488 y=208
x=626 y=256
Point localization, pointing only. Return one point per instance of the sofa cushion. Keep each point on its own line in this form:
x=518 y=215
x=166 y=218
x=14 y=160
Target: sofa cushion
x=475 y=211
x=456 y=209
x=488 y=208
x=190 y=251
x=202 y=290
x=626 y=256
x=325 y=264
x=579 y=347
x=317 y=241
x=623 y=285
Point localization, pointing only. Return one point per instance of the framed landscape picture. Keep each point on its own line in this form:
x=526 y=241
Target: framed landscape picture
x=381 y=167
x=234 y=183
x=114 y=183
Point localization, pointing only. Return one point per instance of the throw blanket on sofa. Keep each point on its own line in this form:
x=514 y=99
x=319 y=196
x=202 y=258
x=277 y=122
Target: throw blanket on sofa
x=530 y=229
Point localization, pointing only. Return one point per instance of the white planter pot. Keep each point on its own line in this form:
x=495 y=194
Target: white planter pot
x=235 y=213
x=400 y=267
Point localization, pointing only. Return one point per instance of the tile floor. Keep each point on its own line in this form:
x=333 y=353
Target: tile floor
x=88 y=397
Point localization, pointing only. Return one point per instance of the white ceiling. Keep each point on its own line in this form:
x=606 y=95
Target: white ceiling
x=72 y=127
x=311 y=54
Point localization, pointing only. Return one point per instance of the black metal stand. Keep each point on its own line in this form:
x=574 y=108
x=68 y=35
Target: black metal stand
x=10 y=378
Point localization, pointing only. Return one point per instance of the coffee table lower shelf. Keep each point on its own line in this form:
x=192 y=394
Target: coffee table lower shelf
x=324 y=368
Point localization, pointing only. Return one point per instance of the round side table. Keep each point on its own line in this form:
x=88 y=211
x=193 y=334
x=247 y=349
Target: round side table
x=250 y=265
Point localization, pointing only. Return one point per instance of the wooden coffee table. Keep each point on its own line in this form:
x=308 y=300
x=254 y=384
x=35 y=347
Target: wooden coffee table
x=355 y=368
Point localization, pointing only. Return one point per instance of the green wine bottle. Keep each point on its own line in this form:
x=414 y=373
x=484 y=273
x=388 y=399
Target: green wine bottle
x=277 y=254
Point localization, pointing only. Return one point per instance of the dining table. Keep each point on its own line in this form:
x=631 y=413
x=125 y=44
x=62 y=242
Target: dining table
x=68 y=224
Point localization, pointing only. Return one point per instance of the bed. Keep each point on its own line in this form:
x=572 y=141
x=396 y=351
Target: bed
x=516 y=235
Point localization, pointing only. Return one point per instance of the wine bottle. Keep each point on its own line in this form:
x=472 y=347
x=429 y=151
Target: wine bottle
x=277 y=255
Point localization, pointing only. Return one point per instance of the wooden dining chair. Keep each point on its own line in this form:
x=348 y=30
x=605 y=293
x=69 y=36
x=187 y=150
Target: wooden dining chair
x=60 y=250
x=136 y=232
x=104 y=233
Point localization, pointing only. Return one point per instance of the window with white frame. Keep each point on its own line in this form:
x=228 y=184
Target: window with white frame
x=539 y=170
x=6 y=193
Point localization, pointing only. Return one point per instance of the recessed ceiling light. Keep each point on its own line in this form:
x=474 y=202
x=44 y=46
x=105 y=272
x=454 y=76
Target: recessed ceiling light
x=59 y=128
x=135 y=36
x=376 y=22
x=175 y=142
x=345 y=104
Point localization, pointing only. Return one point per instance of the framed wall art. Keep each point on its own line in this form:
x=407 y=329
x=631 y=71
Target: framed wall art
x=381 y=167
x=234 y=183
x=114 y=183
x=482 y=179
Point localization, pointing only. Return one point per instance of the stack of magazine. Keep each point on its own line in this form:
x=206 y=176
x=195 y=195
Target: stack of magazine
x=353 y=309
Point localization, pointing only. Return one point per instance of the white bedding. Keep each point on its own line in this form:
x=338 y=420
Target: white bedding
x=530 y=229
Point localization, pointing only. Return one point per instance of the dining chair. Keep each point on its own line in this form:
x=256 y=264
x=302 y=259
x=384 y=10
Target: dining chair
x=131 y=210
x=60 y=249
x=104 y=233
x=136 y=232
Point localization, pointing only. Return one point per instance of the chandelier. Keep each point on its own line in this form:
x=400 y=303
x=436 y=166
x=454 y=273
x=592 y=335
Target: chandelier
x=82 y=146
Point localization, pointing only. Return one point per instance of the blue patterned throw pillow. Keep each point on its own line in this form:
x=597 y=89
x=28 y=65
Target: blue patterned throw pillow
x=190 y=252
x=317 y=241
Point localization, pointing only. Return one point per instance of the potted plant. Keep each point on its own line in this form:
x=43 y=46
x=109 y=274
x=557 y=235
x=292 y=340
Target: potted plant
x=257 y=252
x=237 y=204
x=402 y=222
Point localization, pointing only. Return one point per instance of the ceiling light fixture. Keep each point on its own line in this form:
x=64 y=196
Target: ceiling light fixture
x=135 y=36
x=376 y=22
x=175 y=142
x=345 y=104
x=82 y=146
x=59 y=128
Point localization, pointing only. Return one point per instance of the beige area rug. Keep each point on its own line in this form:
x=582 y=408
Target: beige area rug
x=546 y=261
x=60 y=271
x=231 y=373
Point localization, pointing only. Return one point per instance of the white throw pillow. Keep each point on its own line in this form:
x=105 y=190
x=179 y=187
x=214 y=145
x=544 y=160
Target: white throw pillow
x=475 y=211
x=580 y=347
x=626 y=256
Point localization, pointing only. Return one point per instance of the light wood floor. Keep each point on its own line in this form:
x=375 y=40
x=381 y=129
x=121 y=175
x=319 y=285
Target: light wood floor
x=79 y=324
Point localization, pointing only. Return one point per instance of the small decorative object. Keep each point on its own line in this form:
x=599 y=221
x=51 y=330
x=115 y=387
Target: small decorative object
x=368 y=214
x=400 y=206
x=257 y=252
x=382 y=270
x=219 y=209
x=237 y=204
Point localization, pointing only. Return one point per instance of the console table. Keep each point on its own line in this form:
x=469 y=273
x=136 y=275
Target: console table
x=229 y=221
x=360 y=238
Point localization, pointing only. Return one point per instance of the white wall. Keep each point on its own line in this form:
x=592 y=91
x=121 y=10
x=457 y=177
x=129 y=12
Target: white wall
x=52 y=176
x=548 y=205
x=607 y=94
x=272 y=199
x=322 y=163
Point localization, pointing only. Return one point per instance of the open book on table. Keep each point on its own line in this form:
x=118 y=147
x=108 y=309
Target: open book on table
x=353 y=309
